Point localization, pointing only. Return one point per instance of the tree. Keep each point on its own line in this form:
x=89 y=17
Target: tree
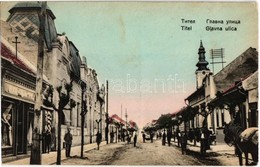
x=165 y=121
x=64 y=98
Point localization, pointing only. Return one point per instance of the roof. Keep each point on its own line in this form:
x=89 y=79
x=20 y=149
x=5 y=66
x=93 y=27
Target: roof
x=33 y=5
x=21 y=61
x=240 y=68
x=195 y=93
x=133 y=124
x=7 y=53
x=117 y=118
x=251 y=82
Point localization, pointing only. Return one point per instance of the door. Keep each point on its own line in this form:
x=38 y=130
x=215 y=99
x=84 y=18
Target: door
x=21 y=128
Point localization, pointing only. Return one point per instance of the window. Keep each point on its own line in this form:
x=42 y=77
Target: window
x=6 y=128
x=78 y=114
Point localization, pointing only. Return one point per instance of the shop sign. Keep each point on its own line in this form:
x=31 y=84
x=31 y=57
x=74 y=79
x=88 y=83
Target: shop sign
x=18 y=91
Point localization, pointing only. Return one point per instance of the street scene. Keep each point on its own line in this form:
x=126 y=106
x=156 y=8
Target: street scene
x=129 y=83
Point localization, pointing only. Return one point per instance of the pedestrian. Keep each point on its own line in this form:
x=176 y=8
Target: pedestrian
x=123 y=136
x=129 y=137
x=169 y=136
x=47 y=141
x=135 y=138
x=151 y=136
x=202 y=143
x=143 y=137
x=68 y=141
x=98 y=139
x=163 y=138
x=111 y=136
x=183 y=143
x=53 y=139
x=178 y=134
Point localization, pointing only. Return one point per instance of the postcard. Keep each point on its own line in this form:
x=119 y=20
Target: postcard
x=129 y=83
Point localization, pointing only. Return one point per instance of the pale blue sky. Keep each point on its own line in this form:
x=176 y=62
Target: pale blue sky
x=144 y=41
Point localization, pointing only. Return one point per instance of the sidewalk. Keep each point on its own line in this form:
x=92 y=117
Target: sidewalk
x=221 y=151
x=48 y=159
x=220 y=148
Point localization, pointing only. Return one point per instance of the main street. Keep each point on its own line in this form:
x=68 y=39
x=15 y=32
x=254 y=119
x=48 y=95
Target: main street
x=147 y=153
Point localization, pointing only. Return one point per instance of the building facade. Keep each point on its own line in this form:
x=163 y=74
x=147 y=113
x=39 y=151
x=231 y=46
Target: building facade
x=217 y=96
x=62 y=64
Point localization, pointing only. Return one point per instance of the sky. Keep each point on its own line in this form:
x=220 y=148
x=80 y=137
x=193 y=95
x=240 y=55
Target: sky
x=142 y=50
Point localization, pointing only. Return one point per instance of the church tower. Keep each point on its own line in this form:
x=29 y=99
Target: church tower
x=24 y=18
x=202 y=64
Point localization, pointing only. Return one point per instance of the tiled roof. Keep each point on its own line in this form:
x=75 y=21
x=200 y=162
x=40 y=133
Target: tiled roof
x=240 y=68
x=30 y=5
x=118 y=118
x=6 y=53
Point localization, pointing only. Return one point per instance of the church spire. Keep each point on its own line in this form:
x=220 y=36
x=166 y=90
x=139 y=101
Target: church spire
x=202 y=64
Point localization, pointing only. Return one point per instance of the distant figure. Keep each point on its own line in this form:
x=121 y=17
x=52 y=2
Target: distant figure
x=53 y=139
x=143 y=137
x=203 y=143
x=123 y=136
x=129 y=138
x=163 y=138
x=178 y=133
x=151 y=136
x=111 y=137
x=169 y=136
x=68 y=141
x=47 y=141
x=183 y=143
x=98 y=139
x=135 y=138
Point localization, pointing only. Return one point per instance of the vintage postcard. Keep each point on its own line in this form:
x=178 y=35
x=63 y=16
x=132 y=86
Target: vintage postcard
x=129 y=83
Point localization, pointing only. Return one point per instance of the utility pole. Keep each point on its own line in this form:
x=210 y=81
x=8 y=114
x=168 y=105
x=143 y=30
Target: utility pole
x=126 y=118
x=107 y=121
x=16 y=42
x=121 y=131
x=36 y=150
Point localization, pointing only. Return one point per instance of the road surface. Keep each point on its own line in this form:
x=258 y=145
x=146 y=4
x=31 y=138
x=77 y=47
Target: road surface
x=144 y=154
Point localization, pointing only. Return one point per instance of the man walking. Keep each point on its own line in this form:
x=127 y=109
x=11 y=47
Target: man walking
x=169 y=136
x=135 y=138
x=163 y=138
x=183 y=143
x=98 y=139
x=48 y=141
x=68 y=141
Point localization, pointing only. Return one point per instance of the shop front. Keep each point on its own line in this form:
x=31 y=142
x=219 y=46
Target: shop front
x=17 y=106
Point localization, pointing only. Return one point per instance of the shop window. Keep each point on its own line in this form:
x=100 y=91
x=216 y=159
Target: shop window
x=6 y=120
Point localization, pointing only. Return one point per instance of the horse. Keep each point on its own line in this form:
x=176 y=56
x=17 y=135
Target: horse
x=245 y=141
